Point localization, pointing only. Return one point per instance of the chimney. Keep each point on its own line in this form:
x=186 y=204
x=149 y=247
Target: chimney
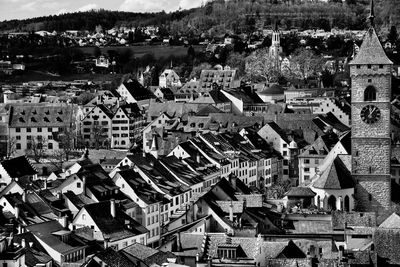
x=24 y=196
x=112 y=208
x=178 y=242
x=45 y=184
x=84 y=184
x=231 y=211
x=198 y=158
x=16 y=212
x=64 y=221
x=105 y=243
x=23 y=243
x=341 y=250
x=233 y=181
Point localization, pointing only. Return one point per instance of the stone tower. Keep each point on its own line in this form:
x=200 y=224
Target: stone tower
x=275 y=49
x=370 y=73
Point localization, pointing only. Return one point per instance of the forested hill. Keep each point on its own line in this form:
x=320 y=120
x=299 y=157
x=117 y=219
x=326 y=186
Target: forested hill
x=219 y=16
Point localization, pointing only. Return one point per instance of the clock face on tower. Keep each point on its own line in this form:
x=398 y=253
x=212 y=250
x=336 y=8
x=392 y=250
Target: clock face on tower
x=370 y=114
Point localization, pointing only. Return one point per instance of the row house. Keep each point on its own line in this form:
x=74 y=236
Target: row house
x=231 y=153
x=160 y=178
x=106 y=222
x=115 y=127
x=153 y=207
x=285 y=145
x=96 y=127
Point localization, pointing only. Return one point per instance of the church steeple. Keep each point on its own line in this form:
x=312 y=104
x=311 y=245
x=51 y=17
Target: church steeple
x=372 y=15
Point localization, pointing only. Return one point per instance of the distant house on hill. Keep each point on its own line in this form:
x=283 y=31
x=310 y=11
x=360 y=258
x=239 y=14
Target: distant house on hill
x=133 y=92
x=169 y=78
x=225 y=78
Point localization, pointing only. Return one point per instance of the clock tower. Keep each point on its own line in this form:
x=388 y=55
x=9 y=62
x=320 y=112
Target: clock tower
x=370 y=73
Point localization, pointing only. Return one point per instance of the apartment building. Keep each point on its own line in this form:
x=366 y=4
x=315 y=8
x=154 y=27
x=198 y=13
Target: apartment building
x=42 y=125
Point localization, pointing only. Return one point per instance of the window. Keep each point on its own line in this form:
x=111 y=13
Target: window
x=18 y=130
x=306 y=161
x=49 y=129
x=370 y=197
x=29 y=137
x=306 y=177
x=50 y=145
x=28 y=129
x=284 y=153
x=39 y=129
x=50 y=137
x=18 y=137
x=369 y=66
x=381 y=66
x=306 y=169
x=78 y=184
x=370 y=93
x=316 y=161
x=18 y=146
x=358 y=66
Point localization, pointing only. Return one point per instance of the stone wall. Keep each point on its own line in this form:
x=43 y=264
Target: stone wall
x=373 y=153
x=373 y=194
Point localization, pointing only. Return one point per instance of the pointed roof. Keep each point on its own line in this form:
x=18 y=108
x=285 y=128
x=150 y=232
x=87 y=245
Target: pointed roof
x=335 y=176
x=371 y=51
x=392 y=222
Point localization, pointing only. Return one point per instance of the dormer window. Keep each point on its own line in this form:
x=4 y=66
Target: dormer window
x=46 y=119
x=59 y=119
x=33 y=119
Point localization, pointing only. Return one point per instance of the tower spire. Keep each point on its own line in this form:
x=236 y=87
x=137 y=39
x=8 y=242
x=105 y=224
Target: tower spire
x=372 y=14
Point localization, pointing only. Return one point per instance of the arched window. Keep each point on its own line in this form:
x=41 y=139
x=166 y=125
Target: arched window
x=346 y=203
x=370 y=93
x=332 y=203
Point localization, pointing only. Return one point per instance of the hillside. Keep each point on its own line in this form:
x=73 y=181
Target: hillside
x=219 y=17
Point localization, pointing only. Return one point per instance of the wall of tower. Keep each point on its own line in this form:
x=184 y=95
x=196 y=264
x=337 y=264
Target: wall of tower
x=379 y=78
x=380 y=128
x=373 y=193
x=371 y=145
x=374 y=153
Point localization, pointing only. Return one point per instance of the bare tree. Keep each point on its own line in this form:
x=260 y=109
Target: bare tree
x=261 y=64
x=304 y=63
x=11 y=147
x=37 y=148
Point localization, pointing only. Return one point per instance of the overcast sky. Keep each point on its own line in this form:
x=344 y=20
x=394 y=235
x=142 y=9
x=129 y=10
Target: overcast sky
x=19 y=9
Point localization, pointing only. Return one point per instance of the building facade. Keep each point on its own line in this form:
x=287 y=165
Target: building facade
x=371 y=92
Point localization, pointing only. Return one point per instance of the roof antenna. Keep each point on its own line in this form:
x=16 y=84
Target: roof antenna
x=372 y=15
